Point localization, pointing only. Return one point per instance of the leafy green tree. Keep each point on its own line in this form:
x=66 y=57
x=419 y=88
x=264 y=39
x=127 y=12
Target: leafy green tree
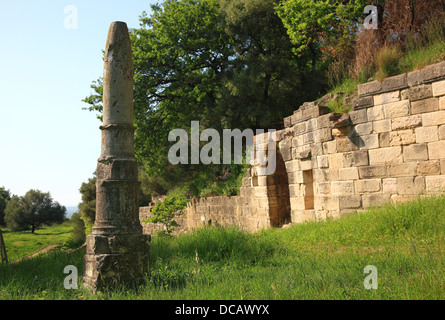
x=322 y=29
x=5 y=196
x=32 y=210
x=225 y=63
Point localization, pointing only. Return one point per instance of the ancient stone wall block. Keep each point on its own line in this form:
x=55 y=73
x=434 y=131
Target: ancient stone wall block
x=385 y=155
x=369 y=141
x=348 y=173
x=442 y=132
x=363 y=102
x=368 y=185
x=287 y=122
x=350 y=202
x=342 y=187
x=361 y=129
x=375 y=199
x=433 y=72
x=336 y=160
x=429 y=168
x=436 y=150
x=323 y=121
x=394 y=83
x=386 y=97
x=345 y=144
x=402 y=137
x=375 y=113
x=415 y=152
x=355 y=159
x=407 y=169
x=384 y=139
x=396 y=109
x=323 y=161
x=410 y=185
x=329 y=147
x=420 y=92
x=442 y=103
x=372 y=172
x=423 y=106
x=359 y=116
x=433 y=118
x=435 y=183
x=408 y=122
x=427 y=134
x=322 y=135
x=414 y=78
x=389 y=185
x=369 y=88
x=381 y=126
x=324 y=187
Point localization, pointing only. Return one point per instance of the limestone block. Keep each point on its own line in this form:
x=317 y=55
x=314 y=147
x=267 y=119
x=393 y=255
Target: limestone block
x=341 y=131
x=439 y=88
x=336 y=160
x=348 y=173
x=442 y=132
x=407 y=169
x=327 y=203
x=361 y=129
x=433 y=118
x=368 y=185
x=435 y=183
x=375 y=113
x=385 y=155
x=369 y=88
x=402 y=137
x=292 y=166
x=414 y=78
x=305 y=164
x=375 y=199
x=295 y=177
x=384 y=139
x=389 y=185
x=394 y=83
x=330 y=147
x=323 y=121
x=298 y=142
x=420 y=92
x=428 y=168
x=381 y=126
x=322 y=135
x=442 y=103
x=442 y=166
x=311 y=124
x=345 y=144
x=355 y=158
x=359 y=116
x=436 y=150
x=408 y=122
x=410 y=185
x=324 y=187
x=369 y=141
x=323 y=162
x=415 y=152
x=371 y=172
x=396 y=109
x=300 y=128
x=362 y=102
x=423 y=106
x=386 y=97
x=342 y=187
x=427 y=134
x=433 y=72
x=350 y=202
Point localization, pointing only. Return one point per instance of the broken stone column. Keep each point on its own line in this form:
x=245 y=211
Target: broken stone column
x=117 y=251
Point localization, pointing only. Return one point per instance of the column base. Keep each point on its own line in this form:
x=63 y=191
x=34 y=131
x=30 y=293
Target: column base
x=118 y=260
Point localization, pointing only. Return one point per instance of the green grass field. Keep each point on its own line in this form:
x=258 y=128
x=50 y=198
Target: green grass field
x=317 y=260
x=23 y=243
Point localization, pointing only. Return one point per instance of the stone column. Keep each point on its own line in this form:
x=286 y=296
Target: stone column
x=117 y=251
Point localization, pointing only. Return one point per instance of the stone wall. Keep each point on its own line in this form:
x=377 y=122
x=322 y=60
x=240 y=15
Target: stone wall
x=390 y=148
x=153 y=228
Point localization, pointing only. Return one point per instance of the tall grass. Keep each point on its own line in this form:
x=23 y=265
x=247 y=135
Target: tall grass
x=315 y=260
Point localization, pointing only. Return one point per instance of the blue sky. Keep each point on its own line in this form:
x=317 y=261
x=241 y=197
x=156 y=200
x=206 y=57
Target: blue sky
x=47 y=141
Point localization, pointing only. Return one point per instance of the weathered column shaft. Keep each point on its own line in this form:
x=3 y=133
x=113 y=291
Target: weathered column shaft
x=117 y=251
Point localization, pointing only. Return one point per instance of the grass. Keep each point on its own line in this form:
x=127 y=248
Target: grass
x=23 y=243
x=316 y=260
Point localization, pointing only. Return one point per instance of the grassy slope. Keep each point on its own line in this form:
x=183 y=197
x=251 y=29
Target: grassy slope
x=309 y=261
x=23 y=243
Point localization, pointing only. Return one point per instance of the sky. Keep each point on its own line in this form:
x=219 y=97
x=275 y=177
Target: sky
x=51 y=52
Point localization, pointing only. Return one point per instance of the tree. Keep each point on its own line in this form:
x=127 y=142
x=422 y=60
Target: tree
x=224 y=63
x=87 y=207
x=32 y=210
x=5 y=196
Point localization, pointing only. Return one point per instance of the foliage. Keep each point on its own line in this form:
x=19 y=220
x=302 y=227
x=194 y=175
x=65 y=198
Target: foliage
x=32 y=210
x=79 y=231
x=164 y=211
x=87 y=207
x=5 y=196
x=225 y=63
